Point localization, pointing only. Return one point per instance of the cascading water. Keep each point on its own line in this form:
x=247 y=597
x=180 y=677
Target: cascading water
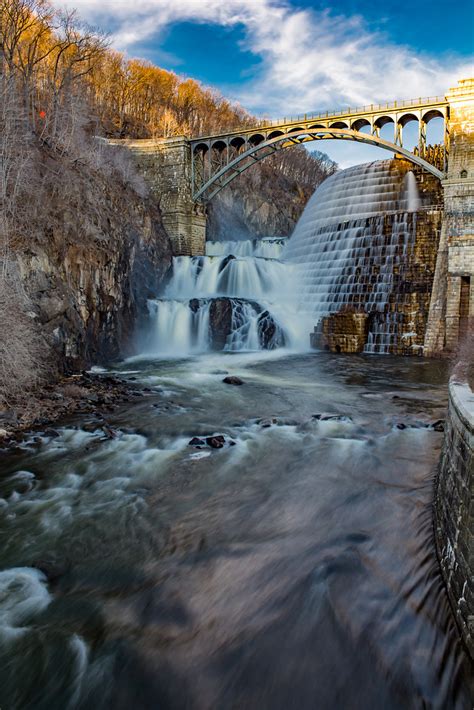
x=349 y=252
x=351 y=245
x=238 y=297
x=267 y=248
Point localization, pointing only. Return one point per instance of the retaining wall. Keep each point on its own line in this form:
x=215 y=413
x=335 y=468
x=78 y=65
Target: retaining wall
x=454 y=505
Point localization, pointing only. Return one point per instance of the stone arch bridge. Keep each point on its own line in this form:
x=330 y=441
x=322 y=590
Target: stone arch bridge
x=186 y=172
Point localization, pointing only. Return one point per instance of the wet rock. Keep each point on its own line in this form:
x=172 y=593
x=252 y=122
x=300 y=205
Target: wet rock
x=220 y=322
x=266 y=423
x=225 y=261
x=196 y=441
x=215 y=442
x=270 y=334
x=332 y=417
x=438 y=425
x=51 y=433
x=109 y=433
x=195 y=305
x=401 y=425
x=232 y=380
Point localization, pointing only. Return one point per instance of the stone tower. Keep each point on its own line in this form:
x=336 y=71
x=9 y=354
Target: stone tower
x=452 y=301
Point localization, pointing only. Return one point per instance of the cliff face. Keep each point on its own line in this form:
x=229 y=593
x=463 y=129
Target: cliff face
x=88 y=276
x=268 y=199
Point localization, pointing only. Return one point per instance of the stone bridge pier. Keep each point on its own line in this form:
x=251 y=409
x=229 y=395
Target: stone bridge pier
x=452 y=301
x=165 y=163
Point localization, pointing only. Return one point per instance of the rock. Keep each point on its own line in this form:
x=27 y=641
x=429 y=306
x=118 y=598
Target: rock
x=215 y=442
x=220 y=321
x=195 y=441
x=195 y=304
x=270 y=334
x=232 y=380
x=225 y=261
x=401 y=425
x=109 y=432
x=51 y=433
x=438 y=425
x=331 y=417
x=3 y=433
x=265 y=423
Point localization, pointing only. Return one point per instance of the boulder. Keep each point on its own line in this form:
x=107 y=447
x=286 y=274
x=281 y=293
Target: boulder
x=196 y=441
x=232 y=380
x=215 y=442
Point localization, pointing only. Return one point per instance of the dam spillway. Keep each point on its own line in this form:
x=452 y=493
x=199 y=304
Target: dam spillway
x=358 y=269
x=364 y=253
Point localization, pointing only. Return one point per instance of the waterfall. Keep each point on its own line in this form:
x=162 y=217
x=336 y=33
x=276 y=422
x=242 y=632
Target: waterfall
x=412 y=195
x=266 y=248
x=350 y=246
x=239 y=297
x=348 y=253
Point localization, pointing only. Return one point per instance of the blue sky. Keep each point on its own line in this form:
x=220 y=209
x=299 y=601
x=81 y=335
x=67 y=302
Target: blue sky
x=282 y=57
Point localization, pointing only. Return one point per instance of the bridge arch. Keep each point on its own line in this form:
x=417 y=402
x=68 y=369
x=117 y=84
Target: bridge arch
x=208 y=188
x=360 y=123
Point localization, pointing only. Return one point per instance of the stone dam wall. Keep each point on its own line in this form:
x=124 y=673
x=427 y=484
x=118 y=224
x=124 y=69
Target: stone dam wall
x=454 y=505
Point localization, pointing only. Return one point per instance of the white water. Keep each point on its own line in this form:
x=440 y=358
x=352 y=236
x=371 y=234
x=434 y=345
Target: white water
x=267 y=248
x=342 y=252
x=260 y=289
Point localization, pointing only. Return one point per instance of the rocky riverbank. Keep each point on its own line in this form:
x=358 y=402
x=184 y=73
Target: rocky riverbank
x=88 y=395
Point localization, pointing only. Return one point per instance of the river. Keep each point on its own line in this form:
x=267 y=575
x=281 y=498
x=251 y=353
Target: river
x=292 y=568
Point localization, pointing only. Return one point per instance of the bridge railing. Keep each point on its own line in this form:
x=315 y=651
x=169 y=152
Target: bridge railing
x=370 y=108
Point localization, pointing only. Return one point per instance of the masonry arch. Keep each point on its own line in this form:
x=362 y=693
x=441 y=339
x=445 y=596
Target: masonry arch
x=209 y=187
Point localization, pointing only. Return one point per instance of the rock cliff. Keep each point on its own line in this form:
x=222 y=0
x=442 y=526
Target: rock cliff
x=89 y=273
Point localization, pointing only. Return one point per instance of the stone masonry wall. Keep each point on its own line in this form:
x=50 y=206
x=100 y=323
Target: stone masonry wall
x=454 y=507
x=165 y=163
x=456 y=249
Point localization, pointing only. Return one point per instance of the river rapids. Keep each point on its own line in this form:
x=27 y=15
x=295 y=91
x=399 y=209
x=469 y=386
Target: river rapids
x=293 y=567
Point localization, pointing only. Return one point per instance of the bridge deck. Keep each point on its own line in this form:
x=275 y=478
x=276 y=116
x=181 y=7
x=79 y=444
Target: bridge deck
x=372 y=110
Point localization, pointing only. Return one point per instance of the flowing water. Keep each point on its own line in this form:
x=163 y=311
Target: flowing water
x=350 y=247
x=292 y=568
x=282 y=559
x=257 y=284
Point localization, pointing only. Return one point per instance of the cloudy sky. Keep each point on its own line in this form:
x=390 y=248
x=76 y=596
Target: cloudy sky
x=283 y=57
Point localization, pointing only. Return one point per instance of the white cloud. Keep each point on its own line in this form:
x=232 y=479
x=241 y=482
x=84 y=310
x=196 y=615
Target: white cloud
x=308 y=59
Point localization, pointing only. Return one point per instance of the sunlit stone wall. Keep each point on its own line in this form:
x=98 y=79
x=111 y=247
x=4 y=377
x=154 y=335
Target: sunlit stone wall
x=454 y=506
x=165 y=163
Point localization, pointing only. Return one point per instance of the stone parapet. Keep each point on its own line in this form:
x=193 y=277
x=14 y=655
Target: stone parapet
x=454 y=506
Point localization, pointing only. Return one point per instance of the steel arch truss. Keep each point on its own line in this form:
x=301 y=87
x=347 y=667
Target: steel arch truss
x=216 y=162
